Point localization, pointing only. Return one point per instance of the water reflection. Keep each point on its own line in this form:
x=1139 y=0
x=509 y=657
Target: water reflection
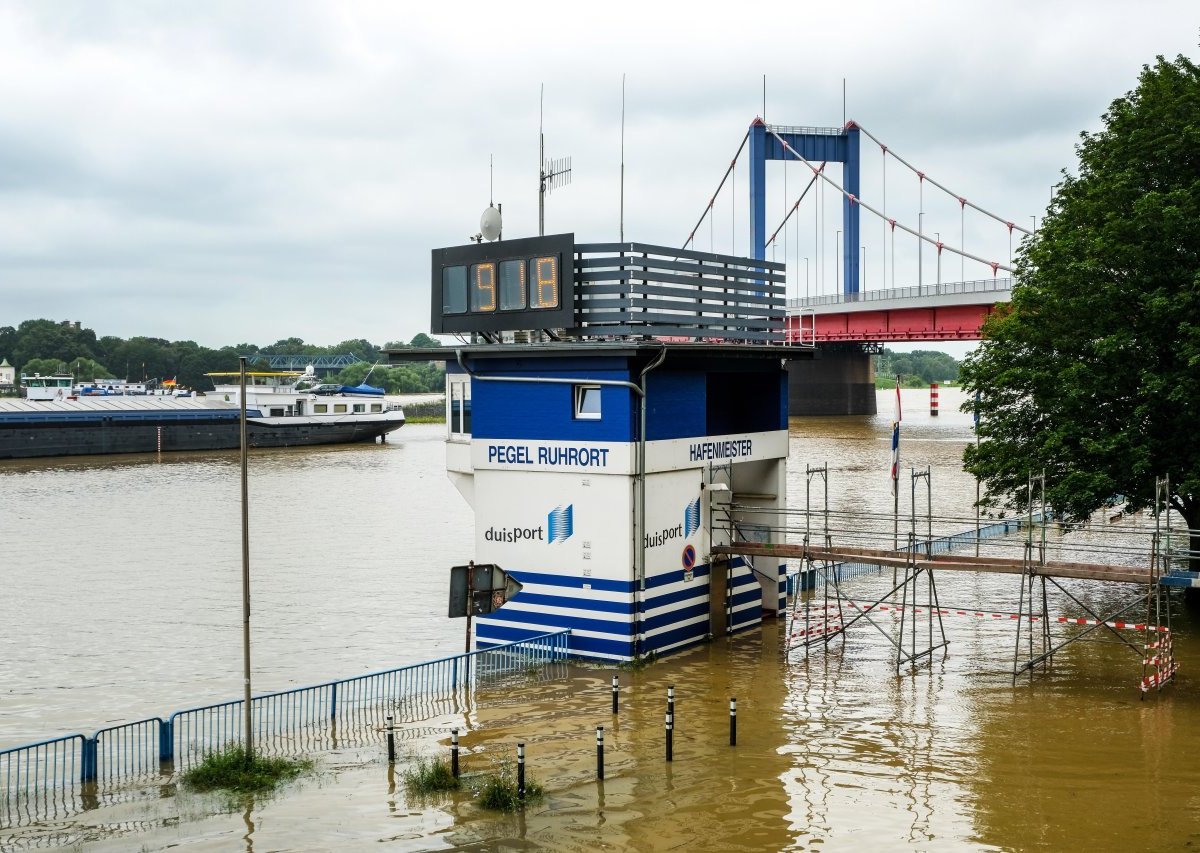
x=835 y=751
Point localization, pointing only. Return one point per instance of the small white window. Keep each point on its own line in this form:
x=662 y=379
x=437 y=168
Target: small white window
x=339 y=408
x=587 y=402
x=321 y=408
x=377 y=407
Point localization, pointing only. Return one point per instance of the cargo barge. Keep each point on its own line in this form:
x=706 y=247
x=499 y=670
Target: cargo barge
x=278 y=415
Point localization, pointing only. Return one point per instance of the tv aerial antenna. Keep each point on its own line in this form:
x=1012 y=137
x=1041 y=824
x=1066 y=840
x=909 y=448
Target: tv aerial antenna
x=551 y=173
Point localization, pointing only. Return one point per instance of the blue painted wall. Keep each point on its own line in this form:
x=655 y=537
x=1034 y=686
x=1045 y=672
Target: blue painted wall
x=686 y=403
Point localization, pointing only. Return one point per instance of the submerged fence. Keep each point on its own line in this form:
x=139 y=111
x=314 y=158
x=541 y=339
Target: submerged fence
x=319 y=716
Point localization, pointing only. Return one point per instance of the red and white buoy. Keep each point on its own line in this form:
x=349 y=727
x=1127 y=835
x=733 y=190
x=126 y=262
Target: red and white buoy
x=933 y=389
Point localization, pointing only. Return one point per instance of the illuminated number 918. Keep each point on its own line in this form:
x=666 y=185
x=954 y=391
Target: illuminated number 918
x=483 y=289
x=543 y=284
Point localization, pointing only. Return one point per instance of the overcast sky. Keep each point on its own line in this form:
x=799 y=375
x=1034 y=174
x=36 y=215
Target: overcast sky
x=231 y=172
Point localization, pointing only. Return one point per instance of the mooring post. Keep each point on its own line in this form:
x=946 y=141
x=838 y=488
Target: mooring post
x=733 y=721
x=454 y=752
x=616 y=686
x=520 y=771
x=391 y=742
x=669 y=744
x=671 y=699
x=599 y=752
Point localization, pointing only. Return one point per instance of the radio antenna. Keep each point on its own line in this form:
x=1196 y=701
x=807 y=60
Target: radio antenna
x=491 y=179
x=551 y=173
x=622 y=212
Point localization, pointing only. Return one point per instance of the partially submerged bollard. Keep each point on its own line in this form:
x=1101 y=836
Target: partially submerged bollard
x=391 y=742
x=733 y=721
x=599 y=752
x=454 y=753
x=615 y=690
x=520 y=771
x=669 y=736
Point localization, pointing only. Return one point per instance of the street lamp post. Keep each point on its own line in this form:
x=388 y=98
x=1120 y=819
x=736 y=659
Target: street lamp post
x=245 y=567
x=920 y=250
x=938 y=237
x=837 y=262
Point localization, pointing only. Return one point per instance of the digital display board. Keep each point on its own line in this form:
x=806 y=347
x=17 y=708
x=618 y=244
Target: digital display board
x=509 y=285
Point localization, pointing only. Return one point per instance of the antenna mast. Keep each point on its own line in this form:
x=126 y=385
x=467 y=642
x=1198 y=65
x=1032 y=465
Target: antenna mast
x=622 y=221
x=551 y=173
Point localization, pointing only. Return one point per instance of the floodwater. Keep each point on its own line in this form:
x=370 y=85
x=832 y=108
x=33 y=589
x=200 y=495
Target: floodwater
x=121 y=599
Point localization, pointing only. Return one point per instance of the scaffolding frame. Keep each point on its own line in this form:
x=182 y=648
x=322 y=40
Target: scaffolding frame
x=826 y=613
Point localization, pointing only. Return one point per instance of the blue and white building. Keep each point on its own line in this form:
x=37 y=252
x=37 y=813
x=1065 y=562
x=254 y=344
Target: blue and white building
x=603 y=466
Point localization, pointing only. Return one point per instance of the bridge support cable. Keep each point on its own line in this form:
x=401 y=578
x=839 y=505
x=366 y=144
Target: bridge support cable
x=963 y=201
x=708 y=211
x=856 y=200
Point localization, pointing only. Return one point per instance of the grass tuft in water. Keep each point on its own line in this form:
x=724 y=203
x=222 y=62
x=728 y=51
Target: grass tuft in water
x=430 y=776
x=233 y=771
x=498 y=790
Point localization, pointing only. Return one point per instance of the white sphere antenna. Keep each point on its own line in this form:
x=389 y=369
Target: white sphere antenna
x=490 y=225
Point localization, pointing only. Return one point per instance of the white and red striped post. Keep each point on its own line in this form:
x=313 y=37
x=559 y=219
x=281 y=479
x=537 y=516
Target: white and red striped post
x=933 y=395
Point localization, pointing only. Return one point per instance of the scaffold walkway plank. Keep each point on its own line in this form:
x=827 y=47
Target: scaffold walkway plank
x=955 y=563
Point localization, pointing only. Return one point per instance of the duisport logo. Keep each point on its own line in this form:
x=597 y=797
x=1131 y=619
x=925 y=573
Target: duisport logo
x=691 y=523
x=560 y=524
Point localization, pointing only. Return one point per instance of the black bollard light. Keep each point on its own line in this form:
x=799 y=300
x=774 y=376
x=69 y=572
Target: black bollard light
x=454 y=753
x=520 y=771
x=599 y=752
x=391 y=742
x=615 y=691
x=670 y=698
x=733 y=721
x=670 y=745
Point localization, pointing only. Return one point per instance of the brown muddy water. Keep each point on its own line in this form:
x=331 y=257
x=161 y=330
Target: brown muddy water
x=120 y=599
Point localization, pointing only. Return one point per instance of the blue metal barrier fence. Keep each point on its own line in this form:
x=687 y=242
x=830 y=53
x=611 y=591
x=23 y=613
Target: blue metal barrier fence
x=285 y=721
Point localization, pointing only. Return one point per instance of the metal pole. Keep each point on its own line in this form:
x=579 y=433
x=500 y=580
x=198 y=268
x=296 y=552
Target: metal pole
x=599 y=752
x=733 y=721
x=616 y=684
x=391 y=742
x=454 y=752
x=470 y=604
x=668 y=728
x=245 y=562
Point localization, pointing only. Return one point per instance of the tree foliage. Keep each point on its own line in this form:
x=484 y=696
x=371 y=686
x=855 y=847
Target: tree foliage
x=49 y=346
x=916 y=369
x=1093 y=372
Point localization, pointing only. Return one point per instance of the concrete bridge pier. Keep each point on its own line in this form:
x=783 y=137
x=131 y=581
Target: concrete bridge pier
x=834 y=382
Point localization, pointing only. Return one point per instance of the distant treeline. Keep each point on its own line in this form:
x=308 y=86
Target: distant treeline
x=49 y=347
x=916 y=369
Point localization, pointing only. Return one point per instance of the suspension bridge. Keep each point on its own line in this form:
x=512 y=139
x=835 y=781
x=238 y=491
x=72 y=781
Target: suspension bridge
x=912 y=294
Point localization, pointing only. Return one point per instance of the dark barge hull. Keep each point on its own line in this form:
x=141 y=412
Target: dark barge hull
x=30 y=435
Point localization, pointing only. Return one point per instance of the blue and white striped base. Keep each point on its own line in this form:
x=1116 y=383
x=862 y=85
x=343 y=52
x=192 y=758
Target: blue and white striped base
x=603 y=619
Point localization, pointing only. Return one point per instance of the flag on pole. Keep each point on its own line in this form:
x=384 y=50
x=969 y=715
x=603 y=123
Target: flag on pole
x=896 y=441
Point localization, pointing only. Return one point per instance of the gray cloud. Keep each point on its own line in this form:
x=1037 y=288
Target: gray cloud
x=229 y=172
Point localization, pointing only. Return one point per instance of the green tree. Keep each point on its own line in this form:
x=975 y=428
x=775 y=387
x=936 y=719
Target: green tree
x=45 y=367
x=1092 y=374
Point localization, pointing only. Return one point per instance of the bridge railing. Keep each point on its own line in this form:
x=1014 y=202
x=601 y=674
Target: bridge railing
x=983 y=285
x=287 y=721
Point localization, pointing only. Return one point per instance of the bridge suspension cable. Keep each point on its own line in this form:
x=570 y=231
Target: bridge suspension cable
x=708 y=210
x=793 y=208
x=819 y=173
x=962 y=200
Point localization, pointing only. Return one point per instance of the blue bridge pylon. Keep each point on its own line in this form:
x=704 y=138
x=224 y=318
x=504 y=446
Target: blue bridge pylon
x=817 y=145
